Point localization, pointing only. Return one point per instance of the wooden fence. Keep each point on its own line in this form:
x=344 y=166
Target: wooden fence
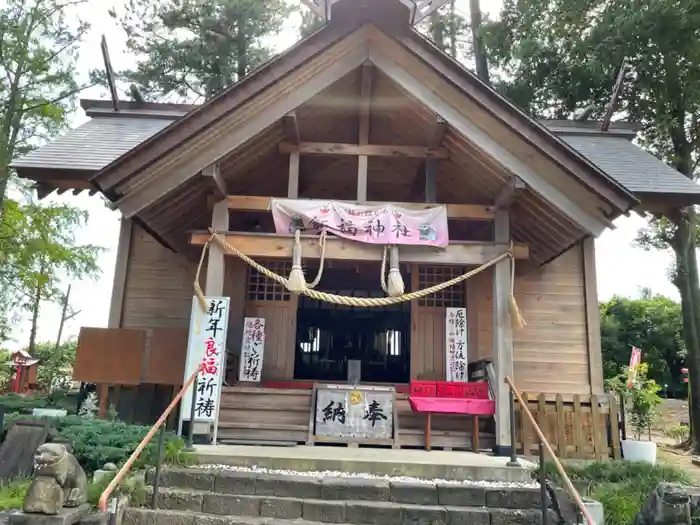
x=584 y=427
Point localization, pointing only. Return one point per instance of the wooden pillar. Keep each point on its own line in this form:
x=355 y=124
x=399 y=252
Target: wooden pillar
x=216 y=265
x=502 y=335
x=595 y=355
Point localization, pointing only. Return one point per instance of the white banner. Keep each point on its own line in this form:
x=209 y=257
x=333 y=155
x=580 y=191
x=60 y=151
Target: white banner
x=206 y=346
x=456 y=359
x=252 y=350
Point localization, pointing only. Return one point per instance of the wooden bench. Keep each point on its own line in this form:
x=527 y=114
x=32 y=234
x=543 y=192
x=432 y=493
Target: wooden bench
x=443 y=397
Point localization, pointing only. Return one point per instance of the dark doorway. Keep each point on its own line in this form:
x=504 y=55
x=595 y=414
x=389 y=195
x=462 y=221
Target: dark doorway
x=329 y=335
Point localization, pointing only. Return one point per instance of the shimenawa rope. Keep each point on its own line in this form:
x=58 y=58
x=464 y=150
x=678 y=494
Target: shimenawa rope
x=363 y=302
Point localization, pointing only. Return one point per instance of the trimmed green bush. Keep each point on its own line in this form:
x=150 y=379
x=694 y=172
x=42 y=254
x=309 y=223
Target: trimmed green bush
x=97 y=441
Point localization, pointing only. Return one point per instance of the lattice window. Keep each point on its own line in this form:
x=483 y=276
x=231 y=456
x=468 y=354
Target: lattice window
x=261 y=288
x=452 y=297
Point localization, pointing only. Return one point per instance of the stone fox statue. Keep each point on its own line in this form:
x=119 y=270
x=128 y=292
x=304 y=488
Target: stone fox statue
x=59 y=481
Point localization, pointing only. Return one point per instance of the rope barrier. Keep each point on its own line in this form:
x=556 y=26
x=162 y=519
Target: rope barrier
x=362 y=302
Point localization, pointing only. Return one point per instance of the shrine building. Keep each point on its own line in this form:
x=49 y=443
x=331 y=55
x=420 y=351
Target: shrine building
x=359 y=168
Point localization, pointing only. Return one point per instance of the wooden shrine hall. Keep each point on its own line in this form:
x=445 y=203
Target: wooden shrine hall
x=366 y=122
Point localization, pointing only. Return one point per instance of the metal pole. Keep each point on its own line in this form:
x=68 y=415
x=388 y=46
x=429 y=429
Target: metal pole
x=511 y=406
x=543 y=486
x=159 y=461
x=189 y=445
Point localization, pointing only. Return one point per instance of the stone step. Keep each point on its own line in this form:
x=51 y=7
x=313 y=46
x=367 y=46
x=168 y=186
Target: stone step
x=251 y=483
x=356 y=511
x=364 y=513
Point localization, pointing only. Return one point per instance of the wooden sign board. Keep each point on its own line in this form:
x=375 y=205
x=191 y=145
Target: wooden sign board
x=456 y=359
x=252 y=350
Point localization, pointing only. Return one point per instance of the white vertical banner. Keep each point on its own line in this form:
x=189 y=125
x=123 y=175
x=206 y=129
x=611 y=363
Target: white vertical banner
x=206 y=346
x=252 y=350
x=456 y=360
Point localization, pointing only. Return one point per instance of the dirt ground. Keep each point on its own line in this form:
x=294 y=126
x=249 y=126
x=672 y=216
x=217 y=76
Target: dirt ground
x=672 y=412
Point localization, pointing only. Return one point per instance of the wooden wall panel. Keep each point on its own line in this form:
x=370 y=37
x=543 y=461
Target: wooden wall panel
x=280 y=336
x=427 y=343
x=551 y=352
x=158 y=291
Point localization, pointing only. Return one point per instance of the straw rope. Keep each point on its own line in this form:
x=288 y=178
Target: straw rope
x=363 y=302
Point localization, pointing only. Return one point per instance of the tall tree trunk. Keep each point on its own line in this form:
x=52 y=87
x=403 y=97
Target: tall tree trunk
x=437 y=30
x=453 y=30
x=241 y=51
x=35 y=315
x=686 y=265
x=482 y=65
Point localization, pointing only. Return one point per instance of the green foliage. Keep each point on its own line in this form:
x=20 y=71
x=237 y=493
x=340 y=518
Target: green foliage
x=37 y=248
x=640 y=401
x=12 y=494
x=677 y=432
x=621 y=486
x=55 y=369
x=96 y=442
x=194 y=49
x=653 y=323
x=134 y=486
x=37 y=74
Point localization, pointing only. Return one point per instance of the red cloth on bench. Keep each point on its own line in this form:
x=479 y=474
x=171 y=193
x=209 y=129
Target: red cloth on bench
x=451 y=397
x=451 y=405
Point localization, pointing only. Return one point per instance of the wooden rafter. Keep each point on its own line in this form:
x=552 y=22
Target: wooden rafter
x=264 y=246
x=212 y=173
x=291 y=128
x=510 y=192
x=472 y=212
x=369 y=150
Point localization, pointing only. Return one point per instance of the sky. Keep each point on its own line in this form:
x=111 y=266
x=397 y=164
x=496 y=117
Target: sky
x=622 y=268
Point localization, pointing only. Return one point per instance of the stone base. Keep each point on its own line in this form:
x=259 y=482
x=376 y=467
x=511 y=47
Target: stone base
x=66 y=516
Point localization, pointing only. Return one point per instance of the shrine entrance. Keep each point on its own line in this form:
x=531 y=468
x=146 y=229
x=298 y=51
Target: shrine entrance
x=334 y=342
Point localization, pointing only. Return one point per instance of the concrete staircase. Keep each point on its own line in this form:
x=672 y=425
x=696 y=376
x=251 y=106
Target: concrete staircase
x=230 y=497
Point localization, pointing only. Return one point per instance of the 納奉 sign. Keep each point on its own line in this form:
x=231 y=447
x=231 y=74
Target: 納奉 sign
x=376 y=224
x=354 y=413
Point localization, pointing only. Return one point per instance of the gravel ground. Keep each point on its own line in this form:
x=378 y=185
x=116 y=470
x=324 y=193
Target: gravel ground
x=338 y=474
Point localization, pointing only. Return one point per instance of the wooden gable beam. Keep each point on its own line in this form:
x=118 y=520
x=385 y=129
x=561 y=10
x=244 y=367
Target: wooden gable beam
x=212 y=174
x=426 y=95
x=472 y=212
x=265 y=246
x=256 y=115
x=365 y=111
x=369 y=150
x=510 y=192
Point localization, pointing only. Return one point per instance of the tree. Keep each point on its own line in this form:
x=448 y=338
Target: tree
x=551 y=74
x=37 y=249
x=196 y=49
x=55 y=368
x=38 y=51
x=654 y=324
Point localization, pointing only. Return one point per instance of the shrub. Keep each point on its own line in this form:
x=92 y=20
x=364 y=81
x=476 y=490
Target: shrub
x=621 y=487
x=97 y=441
x=677 y=432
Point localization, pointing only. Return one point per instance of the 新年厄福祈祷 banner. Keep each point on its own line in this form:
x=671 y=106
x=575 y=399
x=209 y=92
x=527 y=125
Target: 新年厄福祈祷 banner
x=377 y=224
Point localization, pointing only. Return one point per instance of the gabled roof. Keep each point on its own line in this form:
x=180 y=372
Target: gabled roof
x=175 y=143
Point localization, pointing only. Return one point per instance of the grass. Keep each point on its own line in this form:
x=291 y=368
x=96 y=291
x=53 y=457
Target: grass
x=622 y=487
x=12 y=494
